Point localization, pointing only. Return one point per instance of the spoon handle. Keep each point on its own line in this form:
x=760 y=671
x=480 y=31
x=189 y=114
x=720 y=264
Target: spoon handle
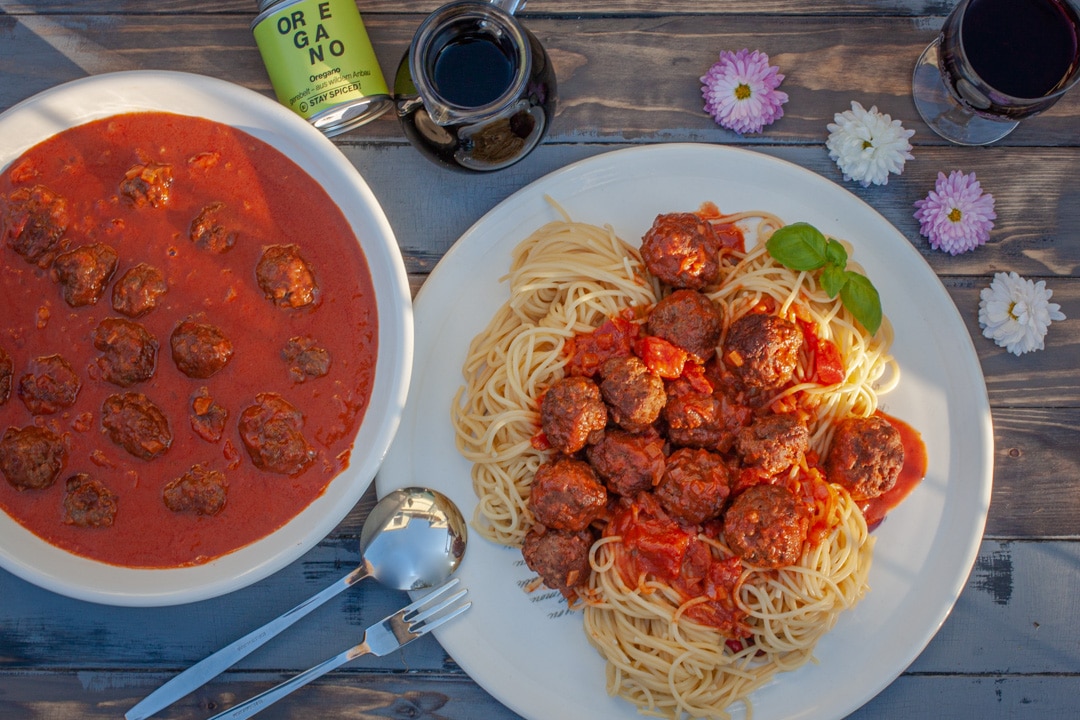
x=201 y=672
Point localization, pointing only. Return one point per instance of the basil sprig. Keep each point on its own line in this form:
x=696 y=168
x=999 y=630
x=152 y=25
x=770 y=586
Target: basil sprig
x=801 y=246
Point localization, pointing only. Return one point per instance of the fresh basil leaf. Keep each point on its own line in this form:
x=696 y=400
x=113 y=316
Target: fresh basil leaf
x=861 y=297
x=799 y=246
x=833 y=279
x=836 y=254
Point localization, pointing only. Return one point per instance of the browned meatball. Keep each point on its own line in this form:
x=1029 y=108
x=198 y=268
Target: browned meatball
x=7 y=371
x=138 y=290
x=207 y=417
x=306 y=361
x=31 y=458
x=199 y=349
x=566 y=494
x=695 y=485
x=561 y=559
x=762 y=350
x=149 y=184
x=208 y=231
x=688 y=319
x=50 y=386
x=773 y=443
x=34 y=220
x=286 y=278
x=572 y=414
x=84 y=273
x=136 y=424
x=682 y=250
x=88 y=503
x=866 y=456
x=634 y=394
x=129 y=352
x=271 y=431
x=199 y=490
x=629 y=463
x=702 y=420
x=766 y=526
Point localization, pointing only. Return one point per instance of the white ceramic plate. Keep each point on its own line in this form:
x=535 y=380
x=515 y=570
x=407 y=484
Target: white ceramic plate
x=531 y=654
x=81 y=101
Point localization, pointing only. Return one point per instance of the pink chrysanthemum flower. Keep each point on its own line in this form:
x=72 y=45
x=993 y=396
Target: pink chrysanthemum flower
x=957 y=215
x=740 y=91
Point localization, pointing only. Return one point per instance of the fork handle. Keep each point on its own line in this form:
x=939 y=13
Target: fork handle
x=203 y=671
x=267 y=698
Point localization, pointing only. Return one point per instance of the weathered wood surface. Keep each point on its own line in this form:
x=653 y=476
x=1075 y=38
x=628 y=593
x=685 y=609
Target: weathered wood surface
x=628 y=76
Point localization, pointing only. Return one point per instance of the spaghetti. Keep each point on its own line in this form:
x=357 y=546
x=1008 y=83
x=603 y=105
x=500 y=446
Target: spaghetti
x=665 y=649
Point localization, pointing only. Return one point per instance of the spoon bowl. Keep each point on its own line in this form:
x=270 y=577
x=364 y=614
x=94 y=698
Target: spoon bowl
x=414 y=538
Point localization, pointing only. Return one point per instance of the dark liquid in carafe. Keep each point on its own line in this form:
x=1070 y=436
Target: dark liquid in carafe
x=472 y=71
x=1023 y=48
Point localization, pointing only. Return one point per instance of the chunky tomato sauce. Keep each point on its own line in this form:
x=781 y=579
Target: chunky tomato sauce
x=911 y=474
x=265 y=199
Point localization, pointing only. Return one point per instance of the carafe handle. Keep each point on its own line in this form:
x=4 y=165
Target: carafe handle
x=510 y=6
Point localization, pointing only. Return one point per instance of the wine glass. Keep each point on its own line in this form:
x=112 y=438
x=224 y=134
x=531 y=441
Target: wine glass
x=994 y=63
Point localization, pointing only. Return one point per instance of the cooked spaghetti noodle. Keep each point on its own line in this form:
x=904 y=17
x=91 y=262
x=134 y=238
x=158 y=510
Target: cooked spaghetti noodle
x=566 y=279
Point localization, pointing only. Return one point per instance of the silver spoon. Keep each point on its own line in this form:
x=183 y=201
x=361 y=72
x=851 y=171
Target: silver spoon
x=413 y=539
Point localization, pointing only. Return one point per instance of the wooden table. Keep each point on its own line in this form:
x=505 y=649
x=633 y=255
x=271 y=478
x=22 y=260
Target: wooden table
x=627 y=76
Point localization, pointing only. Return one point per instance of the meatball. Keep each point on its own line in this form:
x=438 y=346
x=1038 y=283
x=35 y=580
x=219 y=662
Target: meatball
x=31 y=458
x=306 y=361
x=149 y=184
x=561 y=559
x=271 y=431
x=34 y=220
x=136 y=424
x=866 y=456
x=207 y=417
x=50 y=386
x=208 y=232
x=695 y=485
x=572 y=414
x=7 y=371
x=766 y=526
x=566 y=494
x=129 y=352
x=762 y=350
x=702 y=420
x=286 y=278
x=138 y=290
x=199 y=490
x=773 y=443
x=688 y=319
x=199 y=349
x=682 y=250
x=84 y=273
x=88 y=503
x=628 y=463
x=634 y=394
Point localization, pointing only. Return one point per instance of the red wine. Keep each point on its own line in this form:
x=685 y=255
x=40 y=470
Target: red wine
x=1022 y=48
x=472 y=71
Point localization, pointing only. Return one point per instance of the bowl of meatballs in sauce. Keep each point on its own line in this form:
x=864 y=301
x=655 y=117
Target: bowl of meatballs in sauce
x=206 y=341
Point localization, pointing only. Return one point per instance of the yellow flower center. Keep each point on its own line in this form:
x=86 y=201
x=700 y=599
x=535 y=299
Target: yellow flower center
x=742 y=91
x=955 y=214
x=867 y=144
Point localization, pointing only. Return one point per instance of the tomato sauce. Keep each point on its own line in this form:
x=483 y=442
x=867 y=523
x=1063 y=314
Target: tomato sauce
x=911 y=474
x=267 y=200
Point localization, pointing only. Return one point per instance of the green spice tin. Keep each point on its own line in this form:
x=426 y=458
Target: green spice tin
x=320 y=62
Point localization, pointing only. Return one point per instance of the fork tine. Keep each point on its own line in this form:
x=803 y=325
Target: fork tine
x=416 y=618
x=429 y=625
x=432 y=596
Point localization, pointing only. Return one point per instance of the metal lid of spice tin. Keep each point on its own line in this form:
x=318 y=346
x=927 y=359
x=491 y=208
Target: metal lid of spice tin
x=321 y=63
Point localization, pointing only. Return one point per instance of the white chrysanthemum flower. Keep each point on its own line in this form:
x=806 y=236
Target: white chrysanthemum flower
x=1016 y=313
x=868 y=145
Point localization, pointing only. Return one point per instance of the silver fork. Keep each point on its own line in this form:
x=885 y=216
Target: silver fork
x=382 y=638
